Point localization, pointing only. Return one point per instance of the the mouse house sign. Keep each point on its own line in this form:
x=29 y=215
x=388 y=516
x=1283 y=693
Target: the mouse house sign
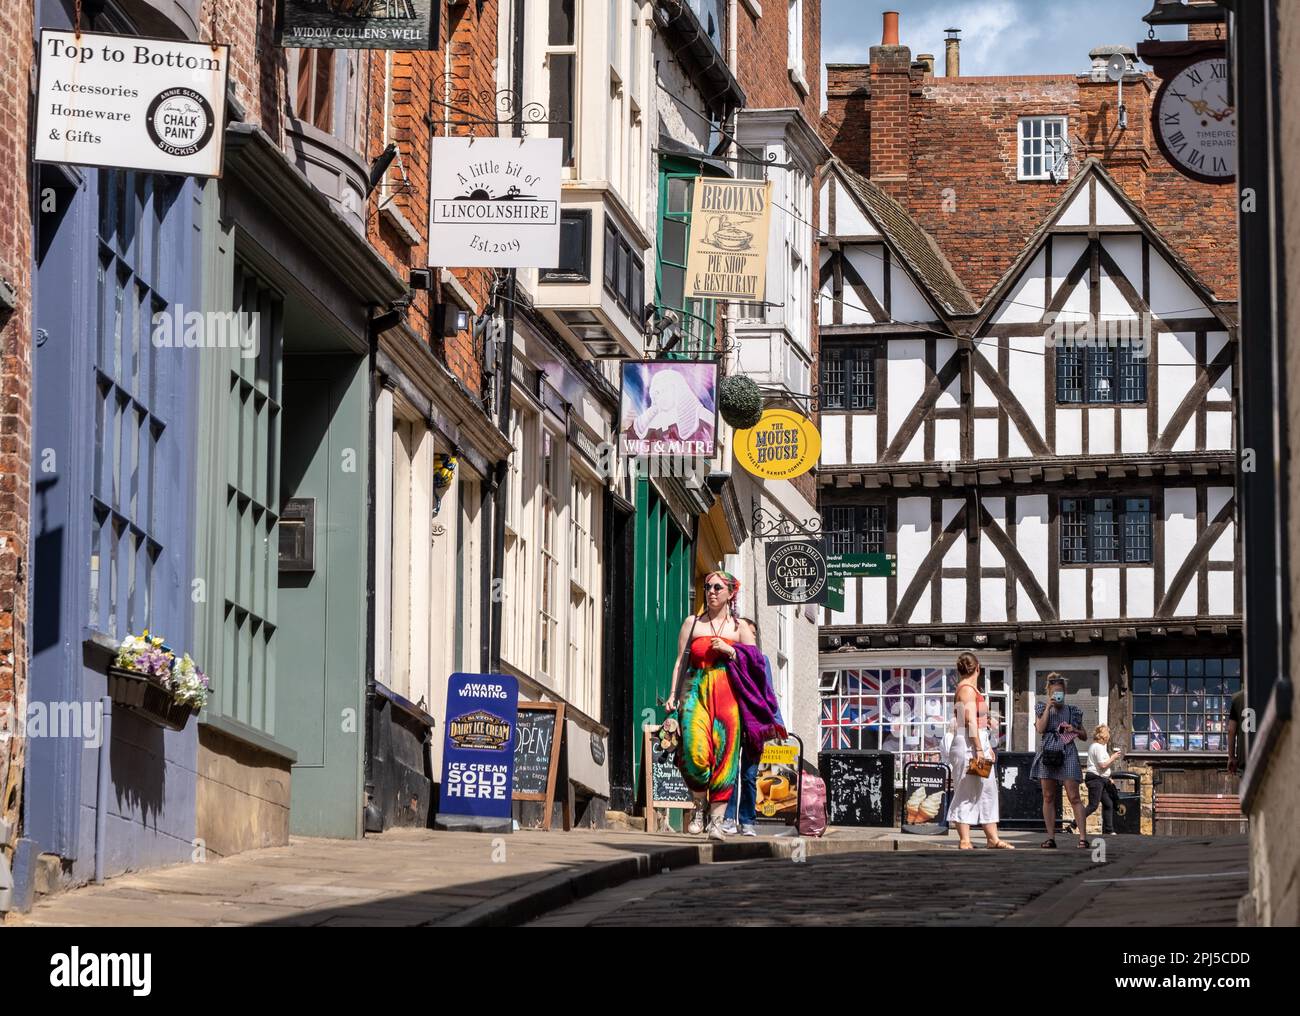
x=730 y=220
x=495 y=202
x=127 y=102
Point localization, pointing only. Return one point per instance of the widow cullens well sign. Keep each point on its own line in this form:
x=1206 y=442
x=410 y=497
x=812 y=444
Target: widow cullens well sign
x=131 y=103
x=729 y=231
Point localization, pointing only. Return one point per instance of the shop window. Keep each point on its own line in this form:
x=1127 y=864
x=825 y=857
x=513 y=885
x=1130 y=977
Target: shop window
x=848 y=377
x=1106 y=530
x=1183 y=705
x=549 y=547
x=906 y=710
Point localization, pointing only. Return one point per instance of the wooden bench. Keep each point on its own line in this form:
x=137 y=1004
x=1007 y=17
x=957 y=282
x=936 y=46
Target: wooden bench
x=1213 y=808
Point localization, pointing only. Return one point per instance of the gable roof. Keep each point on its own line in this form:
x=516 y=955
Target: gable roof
x=918 y=249
x=1093 y=169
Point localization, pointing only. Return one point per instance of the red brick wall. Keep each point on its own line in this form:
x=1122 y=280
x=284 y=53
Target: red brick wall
x=459 y=73
x=762 y=68
x=762 y=50
x=962 y=135
x=16 y=48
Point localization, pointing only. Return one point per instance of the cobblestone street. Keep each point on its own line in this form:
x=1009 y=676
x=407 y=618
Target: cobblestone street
x=1161 y=883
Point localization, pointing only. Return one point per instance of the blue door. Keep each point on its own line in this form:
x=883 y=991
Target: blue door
x=112 y=452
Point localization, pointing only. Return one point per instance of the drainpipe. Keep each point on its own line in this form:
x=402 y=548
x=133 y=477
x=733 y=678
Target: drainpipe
x=372 y=816
x=506 y=373
x=101 y=789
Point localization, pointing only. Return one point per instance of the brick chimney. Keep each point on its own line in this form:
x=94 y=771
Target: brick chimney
x=889 y=141
x=1125 y=151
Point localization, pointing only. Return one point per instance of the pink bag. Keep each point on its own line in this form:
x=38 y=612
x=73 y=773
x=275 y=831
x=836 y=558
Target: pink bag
x=812 y=820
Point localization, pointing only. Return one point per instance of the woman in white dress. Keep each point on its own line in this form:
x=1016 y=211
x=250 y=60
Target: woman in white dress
x=974 y=797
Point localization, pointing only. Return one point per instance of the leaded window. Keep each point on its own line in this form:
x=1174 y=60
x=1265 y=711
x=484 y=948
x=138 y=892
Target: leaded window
x=1183 y=705
x=848 y=377
x=1106 y=530
x=1101 y=374
x=855 y=529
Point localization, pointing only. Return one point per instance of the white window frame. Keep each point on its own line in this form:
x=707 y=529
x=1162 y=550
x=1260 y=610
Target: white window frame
x=795 y=45
x=552 y=499
x=1032 y=132
x=1040 y=668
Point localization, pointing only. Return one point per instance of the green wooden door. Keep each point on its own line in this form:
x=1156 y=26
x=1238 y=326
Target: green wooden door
x=321 y=638
x=661 y=598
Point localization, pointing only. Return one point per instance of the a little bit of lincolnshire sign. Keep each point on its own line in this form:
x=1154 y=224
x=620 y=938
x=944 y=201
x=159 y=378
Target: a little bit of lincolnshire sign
x=131 y=103
x=729 y=232
x=495 y=202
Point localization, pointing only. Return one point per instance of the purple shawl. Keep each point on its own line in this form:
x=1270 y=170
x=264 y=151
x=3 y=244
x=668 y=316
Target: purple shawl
x=758 y=707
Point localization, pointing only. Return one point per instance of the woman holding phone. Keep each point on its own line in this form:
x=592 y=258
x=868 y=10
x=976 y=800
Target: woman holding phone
x=1057 y=761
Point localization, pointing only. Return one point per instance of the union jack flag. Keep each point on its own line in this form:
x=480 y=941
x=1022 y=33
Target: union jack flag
x=839 y=725
x=861 y=682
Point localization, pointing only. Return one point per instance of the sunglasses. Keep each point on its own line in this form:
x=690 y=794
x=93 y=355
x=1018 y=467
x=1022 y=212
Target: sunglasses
x=716 y=588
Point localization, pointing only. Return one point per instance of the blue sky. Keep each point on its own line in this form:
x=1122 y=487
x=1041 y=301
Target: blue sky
x=998 y=36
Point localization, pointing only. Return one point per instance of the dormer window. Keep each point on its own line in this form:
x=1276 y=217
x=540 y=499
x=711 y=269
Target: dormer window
x=1042 y=148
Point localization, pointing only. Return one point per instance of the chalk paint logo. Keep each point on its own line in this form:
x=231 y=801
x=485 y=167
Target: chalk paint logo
x=479 y=729
x=180 y=121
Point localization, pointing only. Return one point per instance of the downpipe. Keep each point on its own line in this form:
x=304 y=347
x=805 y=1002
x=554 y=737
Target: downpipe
x=103 y=780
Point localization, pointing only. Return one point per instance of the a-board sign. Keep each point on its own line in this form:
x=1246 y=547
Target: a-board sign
x=925 y=798
x=539 y=735
x=859 y=787
x=664 y=785
x=1020 y=797
x=476 y=752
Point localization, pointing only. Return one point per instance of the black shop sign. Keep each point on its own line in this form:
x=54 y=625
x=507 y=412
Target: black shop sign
x=796 y=572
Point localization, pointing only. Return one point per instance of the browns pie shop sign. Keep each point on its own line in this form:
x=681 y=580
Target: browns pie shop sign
x=127 y=102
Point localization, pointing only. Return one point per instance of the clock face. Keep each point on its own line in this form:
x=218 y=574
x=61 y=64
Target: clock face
x=1195 y=126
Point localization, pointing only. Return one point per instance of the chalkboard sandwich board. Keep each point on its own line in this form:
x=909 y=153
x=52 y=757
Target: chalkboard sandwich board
x=664 y=785
x=859 y=787
x=539 y=733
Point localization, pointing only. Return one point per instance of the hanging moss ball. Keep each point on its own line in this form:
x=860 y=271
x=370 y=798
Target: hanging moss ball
x=740 y=401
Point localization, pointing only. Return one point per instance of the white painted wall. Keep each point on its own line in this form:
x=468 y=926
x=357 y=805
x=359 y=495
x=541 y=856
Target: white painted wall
x=914 y=542
x=1180 y=537
x=1025 y=301
x=907 y=380
x=834 y=449
x=1141 y=591
x=1176 y=354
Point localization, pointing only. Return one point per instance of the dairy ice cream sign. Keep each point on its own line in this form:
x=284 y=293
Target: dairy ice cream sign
x=131 y=103
x=495 y=202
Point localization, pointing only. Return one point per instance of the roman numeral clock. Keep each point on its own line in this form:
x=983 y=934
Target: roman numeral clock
x=1195 y=124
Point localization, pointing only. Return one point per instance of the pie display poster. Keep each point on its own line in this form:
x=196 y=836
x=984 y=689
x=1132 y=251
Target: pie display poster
x=729 y=238
x=125 y=102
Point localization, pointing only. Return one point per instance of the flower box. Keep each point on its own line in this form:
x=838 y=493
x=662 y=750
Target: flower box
x=148 y=699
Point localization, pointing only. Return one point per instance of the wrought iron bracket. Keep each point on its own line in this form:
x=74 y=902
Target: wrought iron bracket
x=766 y=525
x=504 y=104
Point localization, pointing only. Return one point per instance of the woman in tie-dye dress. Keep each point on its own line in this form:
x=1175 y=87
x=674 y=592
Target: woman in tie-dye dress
x=710 y=716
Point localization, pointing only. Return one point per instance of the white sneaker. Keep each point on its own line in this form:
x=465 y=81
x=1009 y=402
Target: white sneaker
x=748 y=830
x=697 y=819
x=716 y=831
x=729 y=826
